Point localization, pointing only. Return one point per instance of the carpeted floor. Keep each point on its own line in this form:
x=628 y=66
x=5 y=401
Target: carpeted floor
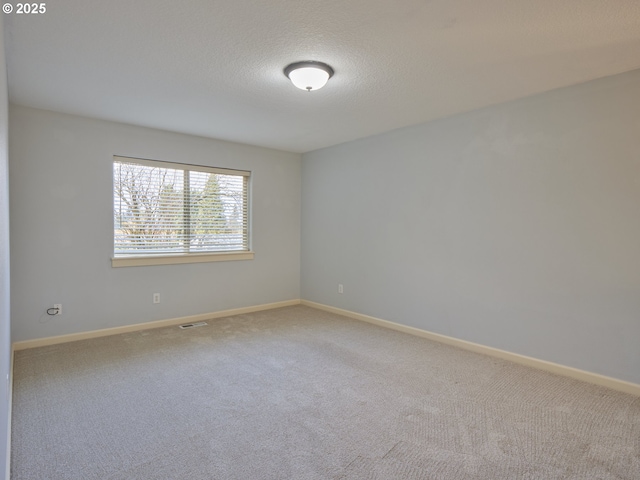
x=298 y=393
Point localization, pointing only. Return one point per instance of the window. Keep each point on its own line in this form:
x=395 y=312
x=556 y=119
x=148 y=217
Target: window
x=174 y=213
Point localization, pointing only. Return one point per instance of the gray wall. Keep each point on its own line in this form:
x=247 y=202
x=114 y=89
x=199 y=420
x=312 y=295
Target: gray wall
x=62 y=228
x=516 y=226
x=5 y=322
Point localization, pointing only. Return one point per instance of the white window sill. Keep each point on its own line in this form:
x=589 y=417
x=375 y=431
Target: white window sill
x=176 y=259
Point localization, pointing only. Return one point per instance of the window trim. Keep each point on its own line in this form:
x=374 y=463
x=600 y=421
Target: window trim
x=185 y=258
x=148 y=260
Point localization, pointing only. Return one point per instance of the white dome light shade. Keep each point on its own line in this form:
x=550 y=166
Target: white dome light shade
x=309 y=78
x=309 y=75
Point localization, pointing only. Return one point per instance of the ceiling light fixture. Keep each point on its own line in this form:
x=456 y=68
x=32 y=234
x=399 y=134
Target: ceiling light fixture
x=309 y=75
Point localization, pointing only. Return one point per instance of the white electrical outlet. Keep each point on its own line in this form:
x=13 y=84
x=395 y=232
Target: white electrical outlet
x=156 y=298
x=340 y=288
x=58 y=306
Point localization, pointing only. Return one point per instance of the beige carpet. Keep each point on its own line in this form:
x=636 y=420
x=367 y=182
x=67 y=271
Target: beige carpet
x=297 y=393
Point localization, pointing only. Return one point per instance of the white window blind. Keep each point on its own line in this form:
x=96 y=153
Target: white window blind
x=165 y=208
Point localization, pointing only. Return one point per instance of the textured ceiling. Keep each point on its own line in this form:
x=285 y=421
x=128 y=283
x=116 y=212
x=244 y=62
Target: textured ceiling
x=214 y=67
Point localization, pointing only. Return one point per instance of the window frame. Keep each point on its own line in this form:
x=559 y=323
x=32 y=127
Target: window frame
x=149 y=259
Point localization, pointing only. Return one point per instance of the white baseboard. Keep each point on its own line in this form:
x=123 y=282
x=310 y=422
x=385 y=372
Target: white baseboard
x=595 y=378
x=41 y=342
x=8 y=453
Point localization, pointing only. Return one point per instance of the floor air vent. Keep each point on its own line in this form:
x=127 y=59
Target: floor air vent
x=192 y=325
